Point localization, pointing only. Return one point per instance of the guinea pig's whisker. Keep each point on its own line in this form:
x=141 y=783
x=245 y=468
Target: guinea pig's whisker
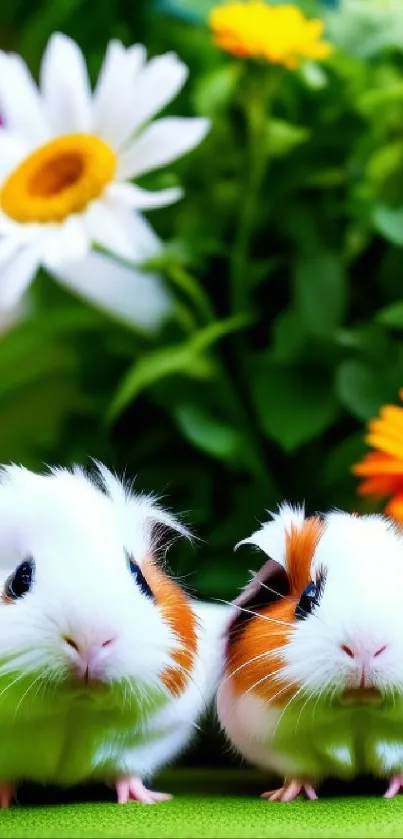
x=26 y=692
x=308 y=699
x=257 y=614
x=11 y=684
x=288 y=704
x=272 y=590
x=263 y=635
x=267 y=655
x=321 y=693
x=265 y=679
x=270 y=653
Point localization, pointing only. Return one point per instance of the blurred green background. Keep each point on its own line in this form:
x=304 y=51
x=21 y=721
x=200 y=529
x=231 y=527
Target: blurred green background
x=259 y=386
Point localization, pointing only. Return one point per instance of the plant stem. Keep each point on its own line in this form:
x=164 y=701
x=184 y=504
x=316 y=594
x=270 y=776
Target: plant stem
x=195 y=292
x=188 y=284
x=256 y=111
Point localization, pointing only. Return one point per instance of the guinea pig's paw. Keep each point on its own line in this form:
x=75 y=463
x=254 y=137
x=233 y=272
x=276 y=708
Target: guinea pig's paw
x=133 y=789
x=7 y=793
x=395 y=785
x=291 y=790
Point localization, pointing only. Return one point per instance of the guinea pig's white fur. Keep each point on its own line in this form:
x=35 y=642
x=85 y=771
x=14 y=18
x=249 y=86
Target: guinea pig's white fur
x=77 y=530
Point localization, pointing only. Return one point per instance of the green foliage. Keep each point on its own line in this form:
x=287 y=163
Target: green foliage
x=285 y=259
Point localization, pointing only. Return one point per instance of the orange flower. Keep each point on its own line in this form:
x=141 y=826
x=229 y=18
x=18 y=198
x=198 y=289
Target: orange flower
x=382 y=469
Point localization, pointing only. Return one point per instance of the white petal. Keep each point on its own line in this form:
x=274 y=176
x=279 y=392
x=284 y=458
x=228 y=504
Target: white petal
x=65 y=86
x=104 y=229
x=13 y=149
x=21 y=106
x=160 y=143
x=16 y=276
x=157 y=83
x=9 y=245
x=60 y=242
x=121 y=231
x=26 y=233
x=126 y=293
x=113 y=95
x=141 y=234
x=141 y=199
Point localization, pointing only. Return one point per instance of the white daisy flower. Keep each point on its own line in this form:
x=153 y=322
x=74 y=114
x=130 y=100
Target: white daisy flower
x=67 y=158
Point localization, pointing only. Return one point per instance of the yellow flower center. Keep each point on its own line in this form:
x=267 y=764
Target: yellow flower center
x=278 y=34
x=58 y=179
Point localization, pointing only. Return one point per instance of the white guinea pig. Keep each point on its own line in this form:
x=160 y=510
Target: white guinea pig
x=313 y=684
x=105 y=664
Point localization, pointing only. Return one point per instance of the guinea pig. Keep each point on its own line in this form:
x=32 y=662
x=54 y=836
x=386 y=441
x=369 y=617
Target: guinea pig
x=313 y=678
x=105 y=663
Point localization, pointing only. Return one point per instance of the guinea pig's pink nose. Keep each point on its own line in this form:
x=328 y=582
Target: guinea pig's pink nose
x=87 y=662
x=82 y=649
x=362 y=654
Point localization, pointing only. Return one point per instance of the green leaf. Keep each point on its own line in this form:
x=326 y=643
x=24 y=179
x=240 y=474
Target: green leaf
x=336 y=468
x=389 y=222
x=376 y=100
x=293 y=405
x=209 y=434
x=326 y=178
x=289 y=336
x=283 y=137
x=369 y=339
x=392 y=316
x=384 y=173
x=215 y=88
x=321 y=288
x=363 y=389
x=185 y=359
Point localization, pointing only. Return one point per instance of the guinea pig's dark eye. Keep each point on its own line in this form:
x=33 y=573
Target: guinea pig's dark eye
x=20 y=582
x=138 y=576
x=309 y=598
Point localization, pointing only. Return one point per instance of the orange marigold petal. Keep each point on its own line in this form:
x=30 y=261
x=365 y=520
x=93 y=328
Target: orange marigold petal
x=377 y=463
x=381 y=485
x=395 y=508
x=387 y=443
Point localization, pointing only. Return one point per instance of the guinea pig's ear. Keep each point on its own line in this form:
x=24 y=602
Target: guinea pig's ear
x=272 y=536
x=147 y=529
x=271 y=582
x=267 y=586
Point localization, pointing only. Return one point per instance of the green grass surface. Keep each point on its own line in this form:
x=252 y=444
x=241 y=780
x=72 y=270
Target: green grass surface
x=208 y=803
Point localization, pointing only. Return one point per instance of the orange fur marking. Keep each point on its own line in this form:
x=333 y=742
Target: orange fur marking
x=177 y=612
x=256 y=654
x=300 y=548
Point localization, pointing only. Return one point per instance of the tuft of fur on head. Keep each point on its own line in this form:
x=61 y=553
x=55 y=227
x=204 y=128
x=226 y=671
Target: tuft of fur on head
x=271 y=538
x=147 y=527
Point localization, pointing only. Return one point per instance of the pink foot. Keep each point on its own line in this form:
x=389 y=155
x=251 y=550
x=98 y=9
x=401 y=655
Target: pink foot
x=290 y=791
x=7 y=792
x=133 y=789
x=395 y=785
